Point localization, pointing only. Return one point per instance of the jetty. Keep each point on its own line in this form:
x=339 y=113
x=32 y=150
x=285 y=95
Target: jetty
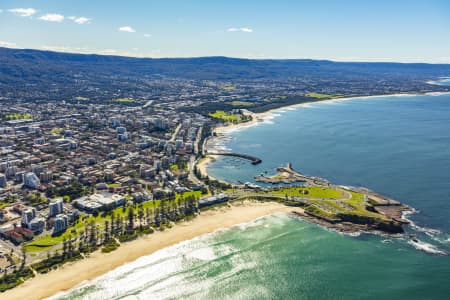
x=287 y=174
x=254 y=160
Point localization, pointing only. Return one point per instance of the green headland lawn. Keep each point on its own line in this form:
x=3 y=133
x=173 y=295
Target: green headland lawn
x=225 y=116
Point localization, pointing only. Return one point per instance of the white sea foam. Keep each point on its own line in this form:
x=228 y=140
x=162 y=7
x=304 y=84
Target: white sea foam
x=154 y=276
x=203 y=254
x=153 y=272
x=437 y=93
x=354 y=234
x=428 y=231
x=426 y=247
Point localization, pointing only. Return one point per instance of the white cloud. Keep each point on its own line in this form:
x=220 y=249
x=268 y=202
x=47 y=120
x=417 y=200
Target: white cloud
x=82 y=20
x=7 y=44
x=245 y=29
x=52 y=18
x=127 y=29
x=147 y=35
x=241 y=29
x=1 y=10
x=23 y=12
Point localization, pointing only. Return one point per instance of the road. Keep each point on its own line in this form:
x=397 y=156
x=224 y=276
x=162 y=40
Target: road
x=197 y=140
x=174 y=135
x=191 y=176
x=192 y=159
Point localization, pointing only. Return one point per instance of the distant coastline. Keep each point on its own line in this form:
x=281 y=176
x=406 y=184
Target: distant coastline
x=259 y=118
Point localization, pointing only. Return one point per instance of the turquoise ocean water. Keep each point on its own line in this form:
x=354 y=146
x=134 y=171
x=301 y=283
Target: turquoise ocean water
x=397 y=146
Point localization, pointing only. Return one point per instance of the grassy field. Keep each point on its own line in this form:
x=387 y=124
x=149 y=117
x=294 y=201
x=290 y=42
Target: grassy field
x=114 y=185
x=228 y=88
x=241 y=103
x=4 y=204
x=322 y=96
x=227 y=117
x=18 y=116
x=57 y=130
x=44 y=243
x=358 y=203
x=81 y=99
x=312 y=192
x=124 y=100
x=329 y=202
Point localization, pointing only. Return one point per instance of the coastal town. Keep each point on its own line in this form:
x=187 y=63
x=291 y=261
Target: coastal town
x=64 y=163
x=78 y=177
x=92 y=161
x=224 y=150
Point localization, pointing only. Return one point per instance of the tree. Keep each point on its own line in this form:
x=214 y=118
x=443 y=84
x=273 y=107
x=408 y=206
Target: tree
x=157 y=217
x=140 y=216
x=118 y=228
x=92 y=234
x=64 y=247
x=112 y=231
x=107 y=231
x=163 y=210
x=181 y=205
x=148 y=216
x=70 y=246
x=24 y=256
x=131 y=218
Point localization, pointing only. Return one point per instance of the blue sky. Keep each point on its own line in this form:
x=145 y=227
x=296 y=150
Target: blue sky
x=377 y=30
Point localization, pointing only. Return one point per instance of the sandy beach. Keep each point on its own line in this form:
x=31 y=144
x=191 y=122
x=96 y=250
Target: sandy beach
x=203 y=164
x=72 y=274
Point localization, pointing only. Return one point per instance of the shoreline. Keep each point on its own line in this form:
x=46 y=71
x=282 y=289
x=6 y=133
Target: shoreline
x=203 y=165
x=268 y=114
x=260 y=118
x=74 y=274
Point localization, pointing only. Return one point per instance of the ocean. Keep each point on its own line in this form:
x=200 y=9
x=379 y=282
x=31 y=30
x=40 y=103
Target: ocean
x=396 y=146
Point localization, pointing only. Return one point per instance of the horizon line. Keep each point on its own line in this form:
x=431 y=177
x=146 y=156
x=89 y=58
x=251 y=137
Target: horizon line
x=129 y=55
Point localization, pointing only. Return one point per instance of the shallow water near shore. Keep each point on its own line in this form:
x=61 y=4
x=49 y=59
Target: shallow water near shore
x=397 y=146
x=275 y=257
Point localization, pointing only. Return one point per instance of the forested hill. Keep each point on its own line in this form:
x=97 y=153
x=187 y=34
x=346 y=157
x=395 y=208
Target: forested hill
x=19 y=64
x=65 y=72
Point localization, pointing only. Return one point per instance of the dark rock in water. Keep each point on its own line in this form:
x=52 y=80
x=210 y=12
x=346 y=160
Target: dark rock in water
x=388 y=226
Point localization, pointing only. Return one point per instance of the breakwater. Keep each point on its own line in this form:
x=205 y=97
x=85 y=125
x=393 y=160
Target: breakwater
x=254 y=160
